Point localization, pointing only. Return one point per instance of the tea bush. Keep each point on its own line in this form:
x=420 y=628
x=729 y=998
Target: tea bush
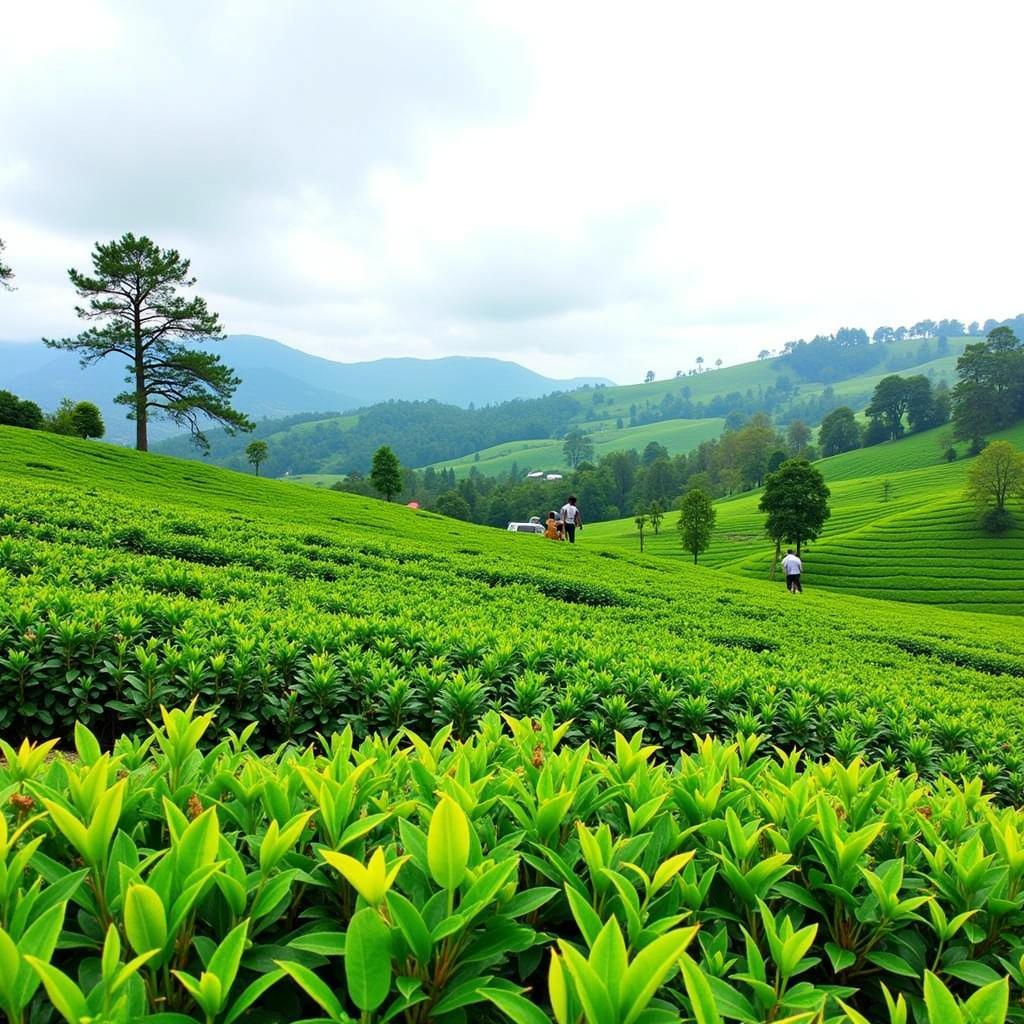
x=508 y=876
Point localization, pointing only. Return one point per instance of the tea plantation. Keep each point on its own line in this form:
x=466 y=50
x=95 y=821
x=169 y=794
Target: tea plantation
x=412 y=769
x=921 y=542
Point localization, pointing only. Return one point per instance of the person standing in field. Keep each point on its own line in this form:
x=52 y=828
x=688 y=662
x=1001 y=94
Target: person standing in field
x=571 y=519
x=792 y=567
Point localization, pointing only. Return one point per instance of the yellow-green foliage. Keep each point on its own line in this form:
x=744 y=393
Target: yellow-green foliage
x=512 y=876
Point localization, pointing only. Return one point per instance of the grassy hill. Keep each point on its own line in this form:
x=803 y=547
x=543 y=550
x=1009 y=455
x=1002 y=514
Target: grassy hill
x=920 y=544
x=899 y=357
x=676 y=435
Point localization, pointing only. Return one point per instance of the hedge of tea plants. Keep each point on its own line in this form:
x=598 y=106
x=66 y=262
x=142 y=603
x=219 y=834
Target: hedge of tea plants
x=509 y=876
x=127 y=583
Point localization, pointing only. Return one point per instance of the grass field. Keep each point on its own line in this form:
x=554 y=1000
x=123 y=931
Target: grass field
x=923 y=544
x=676 y=435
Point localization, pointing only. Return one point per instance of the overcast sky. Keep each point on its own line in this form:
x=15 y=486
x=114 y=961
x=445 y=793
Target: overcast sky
x=586 y=188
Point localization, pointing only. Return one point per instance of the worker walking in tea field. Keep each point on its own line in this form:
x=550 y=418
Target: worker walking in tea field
x=571 y=519
x=792 y=567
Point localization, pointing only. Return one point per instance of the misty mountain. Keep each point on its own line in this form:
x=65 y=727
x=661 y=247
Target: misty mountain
x=278 y=380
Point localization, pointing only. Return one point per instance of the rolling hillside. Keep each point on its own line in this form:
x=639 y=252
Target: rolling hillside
x=676 y=435
x=279 y=673
x=532 y=424
x=922 y=544
x=103 y=525
x=900 y=357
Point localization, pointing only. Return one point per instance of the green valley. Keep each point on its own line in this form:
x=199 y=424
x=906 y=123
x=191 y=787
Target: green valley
x=676 y=436
x=900 y=529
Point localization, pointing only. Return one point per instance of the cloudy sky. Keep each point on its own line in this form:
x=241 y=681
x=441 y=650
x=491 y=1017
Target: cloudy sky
x=586 y=188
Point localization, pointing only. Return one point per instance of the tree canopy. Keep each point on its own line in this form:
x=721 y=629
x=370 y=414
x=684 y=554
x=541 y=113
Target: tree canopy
x=795 y=500
x=696 y=522
x=990 y=392
x=256 y=453
x=386 y=472
x=577 y=448
x=6 y=273
x=839 y=432
x=132 y=298
x=19 y=412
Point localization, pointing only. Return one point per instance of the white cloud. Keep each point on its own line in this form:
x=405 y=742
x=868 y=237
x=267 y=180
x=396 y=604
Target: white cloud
x=587 y=188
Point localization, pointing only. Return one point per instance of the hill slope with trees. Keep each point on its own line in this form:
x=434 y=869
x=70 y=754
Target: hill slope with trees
x=900 y=529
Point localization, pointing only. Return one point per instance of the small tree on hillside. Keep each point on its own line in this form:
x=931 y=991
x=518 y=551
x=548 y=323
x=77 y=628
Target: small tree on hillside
x=133 y=295
x=655 y=514
x=648 y=376
x=59 y=421
x=696 y=522
x=996 y=476
x=87 y=420
x=386 y=473
x=256 y=453
x=640 y=518
x=796 y=502
x=6 y=274
x=577 y=448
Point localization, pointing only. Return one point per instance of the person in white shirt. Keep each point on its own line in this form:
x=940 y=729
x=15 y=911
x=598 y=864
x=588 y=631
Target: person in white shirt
x=792 y=567
x=571 y=518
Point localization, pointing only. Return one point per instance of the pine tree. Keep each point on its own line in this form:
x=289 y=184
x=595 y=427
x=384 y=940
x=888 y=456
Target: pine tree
x=133 y=295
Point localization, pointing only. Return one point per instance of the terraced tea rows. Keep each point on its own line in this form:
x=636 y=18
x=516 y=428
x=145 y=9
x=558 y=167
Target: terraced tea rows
x=920 y=542
x=509 y=868
x=134 y=581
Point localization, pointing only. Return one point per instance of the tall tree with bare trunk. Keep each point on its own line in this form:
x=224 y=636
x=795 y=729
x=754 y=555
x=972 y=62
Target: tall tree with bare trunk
x=133 y=298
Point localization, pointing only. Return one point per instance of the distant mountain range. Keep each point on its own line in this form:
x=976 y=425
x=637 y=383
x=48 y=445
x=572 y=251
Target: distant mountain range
x=278 y=380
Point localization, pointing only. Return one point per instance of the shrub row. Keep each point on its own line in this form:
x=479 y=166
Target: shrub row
x=506 y=877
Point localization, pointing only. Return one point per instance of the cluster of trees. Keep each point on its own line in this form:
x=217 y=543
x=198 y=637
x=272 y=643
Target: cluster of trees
x=849 y=351
x=897 y=403
x=831 y=357
x=913 y=398
x=928 y=329
x=74 y=419
x=989 y=394
x=609 y=487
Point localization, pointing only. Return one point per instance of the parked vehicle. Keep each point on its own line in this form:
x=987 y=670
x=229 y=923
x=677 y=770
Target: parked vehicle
x=525 y=528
